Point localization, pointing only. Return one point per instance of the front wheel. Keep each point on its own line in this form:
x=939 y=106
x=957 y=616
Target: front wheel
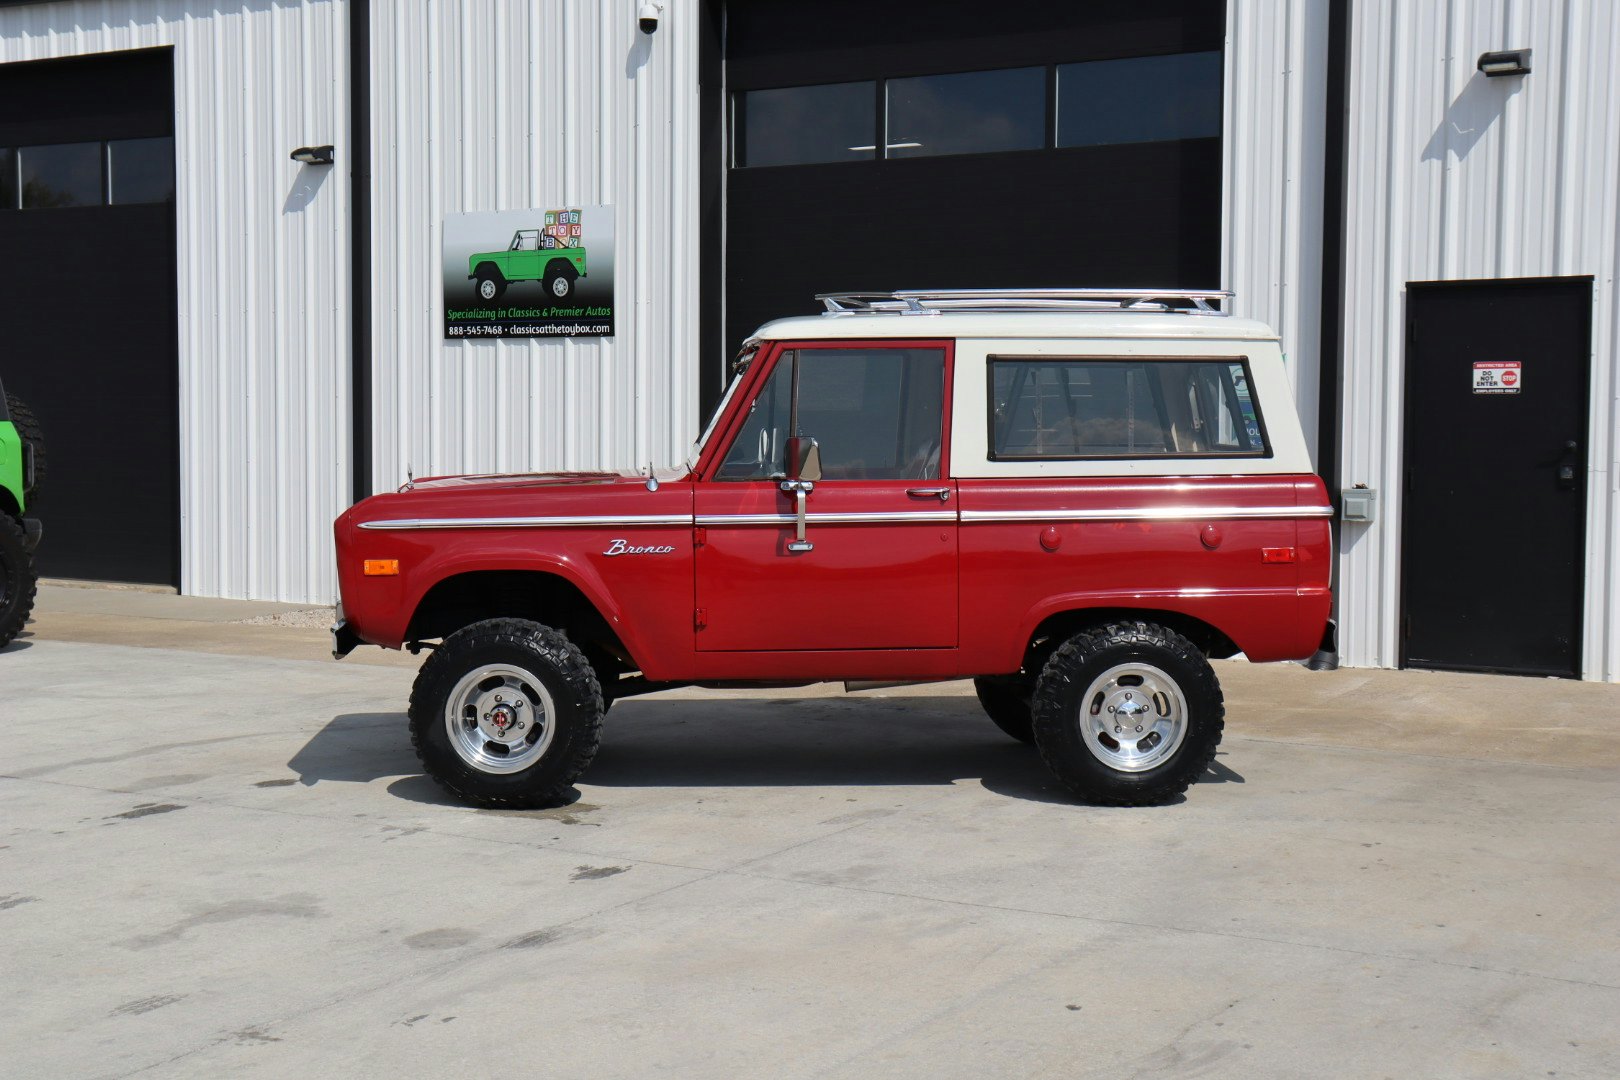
x=1127 y=714
x=17 y=580
x=489 y=286
x=506 y=713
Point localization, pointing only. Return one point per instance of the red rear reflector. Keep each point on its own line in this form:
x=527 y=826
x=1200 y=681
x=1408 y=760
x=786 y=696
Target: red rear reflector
x=1276 y=555
x=385 y=567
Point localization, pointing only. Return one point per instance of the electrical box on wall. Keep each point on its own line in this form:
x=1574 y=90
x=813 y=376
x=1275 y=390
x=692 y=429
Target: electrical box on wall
x=1359 y=504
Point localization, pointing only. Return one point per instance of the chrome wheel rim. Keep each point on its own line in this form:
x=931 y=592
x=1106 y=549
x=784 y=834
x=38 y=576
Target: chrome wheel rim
x=486 y=289
x=559 y=286
x=499 y=719
x=1133 y=717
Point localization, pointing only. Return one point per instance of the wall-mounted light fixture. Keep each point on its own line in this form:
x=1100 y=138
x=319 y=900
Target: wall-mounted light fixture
x=1508 y=62
x=313 y=155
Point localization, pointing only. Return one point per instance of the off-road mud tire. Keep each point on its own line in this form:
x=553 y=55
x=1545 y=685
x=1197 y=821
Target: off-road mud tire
x=1068 y=676
x=1006 y=701
x=18 y=582
x=27 y=425
x=576 y=712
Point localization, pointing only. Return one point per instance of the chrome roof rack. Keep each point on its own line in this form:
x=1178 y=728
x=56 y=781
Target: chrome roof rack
x=934 y=301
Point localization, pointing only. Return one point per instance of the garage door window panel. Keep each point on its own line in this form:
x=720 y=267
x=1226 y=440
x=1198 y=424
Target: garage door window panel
x=67 y=174
x=1042 y=409
x=974 y=112
x=805 y=125
x=1139 y=99
x=140 y=170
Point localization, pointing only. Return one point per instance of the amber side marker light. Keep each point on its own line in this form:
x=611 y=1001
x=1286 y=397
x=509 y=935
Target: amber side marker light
x=1277 y=555
x=382 y=567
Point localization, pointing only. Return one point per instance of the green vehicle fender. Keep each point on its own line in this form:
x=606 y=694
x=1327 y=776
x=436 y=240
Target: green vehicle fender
x=11 y=469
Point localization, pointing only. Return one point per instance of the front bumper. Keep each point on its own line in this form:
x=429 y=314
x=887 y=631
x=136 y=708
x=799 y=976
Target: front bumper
x=344 y=639
x=32 y=531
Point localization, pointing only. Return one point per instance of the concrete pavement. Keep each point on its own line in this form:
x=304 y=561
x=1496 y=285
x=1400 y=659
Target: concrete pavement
x=218 y=857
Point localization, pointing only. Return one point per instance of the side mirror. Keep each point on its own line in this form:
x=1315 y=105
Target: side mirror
x=803 y=458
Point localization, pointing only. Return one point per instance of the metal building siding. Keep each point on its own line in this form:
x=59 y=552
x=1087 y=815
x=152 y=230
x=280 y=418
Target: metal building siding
x=511 y=104
x=1453 y=176
x=1275 y=99
x=263 y=274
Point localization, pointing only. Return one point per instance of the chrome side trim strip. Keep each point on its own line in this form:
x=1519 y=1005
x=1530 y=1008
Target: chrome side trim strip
x=613 y=521
x=1150 y=513
x=828 y=519
x=979 y=517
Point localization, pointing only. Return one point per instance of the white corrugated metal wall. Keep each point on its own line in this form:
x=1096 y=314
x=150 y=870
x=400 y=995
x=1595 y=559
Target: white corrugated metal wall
x=263 y=268
x=506 y=104
x=1276 y=97
x=1452 y=176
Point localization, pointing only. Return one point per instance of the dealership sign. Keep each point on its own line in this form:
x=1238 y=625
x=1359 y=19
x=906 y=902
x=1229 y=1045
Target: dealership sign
x=529 y=273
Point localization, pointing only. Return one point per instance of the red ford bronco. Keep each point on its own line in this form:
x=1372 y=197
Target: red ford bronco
x=1074 y=497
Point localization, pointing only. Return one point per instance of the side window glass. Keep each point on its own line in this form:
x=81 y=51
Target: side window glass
x=1072 y=409
x=876 y=413
x=760 y=450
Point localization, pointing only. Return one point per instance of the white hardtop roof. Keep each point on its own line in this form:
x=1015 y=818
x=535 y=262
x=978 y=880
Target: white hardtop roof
x=1016 y=324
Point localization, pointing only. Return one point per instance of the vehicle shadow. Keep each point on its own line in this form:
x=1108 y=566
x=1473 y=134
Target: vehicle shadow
x=658 y=742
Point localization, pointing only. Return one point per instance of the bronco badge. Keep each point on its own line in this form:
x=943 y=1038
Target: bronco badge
x=619 y=547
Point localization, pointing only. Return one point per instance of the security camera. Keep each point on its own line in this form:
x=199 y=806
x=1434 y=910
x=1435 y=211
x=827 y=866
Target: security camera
x=647 y=17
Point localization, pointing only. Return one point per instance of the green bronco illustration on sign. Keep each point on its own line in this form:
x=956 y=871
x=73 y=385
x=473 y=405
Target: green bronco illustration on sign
x=539 y=283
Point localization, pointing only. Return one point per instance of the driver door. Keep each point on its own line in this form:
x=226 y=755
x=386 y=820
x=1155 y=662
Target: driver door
x=878 y=569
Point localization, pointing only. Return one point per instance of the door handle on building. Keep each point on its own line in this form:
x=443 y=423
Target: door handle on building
x=1566 y=466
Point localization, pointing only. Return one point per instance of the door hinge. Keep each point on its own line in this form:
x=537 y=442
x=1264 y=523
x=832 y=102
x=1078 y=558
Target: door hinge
x=700 y=536
x=700 y=618
x=1406 y=627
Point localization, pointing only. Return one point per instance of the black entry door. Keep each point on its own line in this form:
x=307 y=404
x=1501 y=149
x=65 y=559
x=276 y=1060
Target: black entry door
x=1493 y=513
x=88 y=303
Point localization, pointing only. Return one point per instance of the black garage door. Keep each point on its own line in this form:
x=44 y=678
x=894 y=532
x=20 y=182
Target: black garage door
x=955 y=144
x=88 y=302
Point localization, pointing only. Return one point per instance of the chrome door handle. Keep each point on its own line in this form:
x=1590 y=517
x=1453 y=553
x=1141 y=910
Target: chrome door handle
x=799 y=489
x=943 y=494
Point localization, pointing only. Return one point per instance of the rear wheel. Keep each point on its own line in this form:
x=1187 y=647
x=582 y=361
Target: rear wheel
x=560 y=280
x=1006 y=701
x=27 y=425
x=507 y=713
x=17 y=580
x=1128 y=714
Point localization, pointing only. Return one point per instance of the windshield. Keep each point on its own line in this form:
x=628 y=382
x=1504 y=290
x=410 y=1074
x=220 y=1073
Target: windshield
x=739 y=368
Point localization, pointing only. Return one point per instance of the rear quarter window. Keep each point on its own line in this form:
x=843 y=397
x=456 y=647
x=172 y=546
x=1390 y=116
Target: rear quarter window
x=1060 y=409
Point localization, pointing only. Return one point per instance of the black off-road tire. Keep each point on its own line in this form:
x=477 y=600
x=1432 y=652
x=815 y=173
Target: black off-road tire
x=1073 y=673
x=1006 y=701
x=488 y=275
x=27 y=424
x=18 y=581
x=576 y=713
x=559 y=275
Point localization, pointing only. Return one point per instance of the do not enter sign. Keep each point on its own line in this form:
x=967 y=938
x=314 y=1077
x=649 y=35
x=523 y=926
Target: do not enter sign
x=1497 y=377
